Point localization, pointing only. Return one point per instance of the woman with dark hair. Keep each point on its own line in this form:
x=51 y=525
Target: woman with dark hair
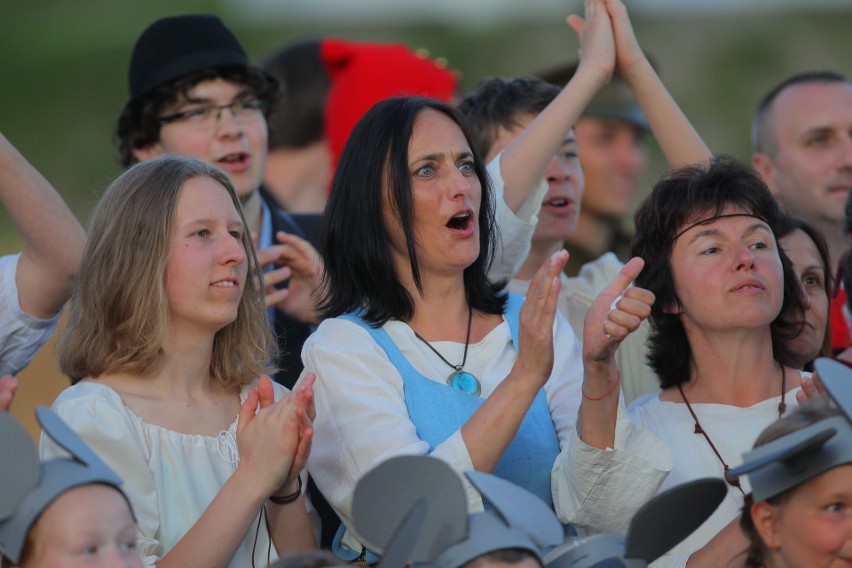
x=727 y=305
x=808 y=252
x=429 y=357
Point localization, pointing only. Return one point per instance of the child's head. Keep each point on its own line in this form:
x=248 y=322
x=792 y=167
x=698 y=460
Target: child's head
x=424 y=520
x=506 y=558
x=499 y=106
x=800 y=511
x=65 y=512
x=121 y=304
x=90 y=525
x=498 y=111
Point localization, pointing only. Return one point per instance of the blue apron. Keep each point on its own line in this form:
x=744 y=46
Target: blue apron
x=438 y=410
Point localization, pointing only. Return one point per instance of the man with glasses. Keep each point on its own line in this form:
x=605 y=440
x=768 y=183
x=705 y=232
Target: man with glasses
x=194 y=93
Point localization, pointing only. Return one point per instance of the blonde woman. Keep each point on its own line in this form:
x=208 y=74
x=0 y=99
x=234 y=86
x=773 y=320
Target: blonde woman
x=166 y=337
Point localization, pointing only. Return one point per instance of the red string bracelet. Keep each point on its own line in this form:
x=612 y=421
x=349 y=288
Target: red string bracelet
x=606 y=394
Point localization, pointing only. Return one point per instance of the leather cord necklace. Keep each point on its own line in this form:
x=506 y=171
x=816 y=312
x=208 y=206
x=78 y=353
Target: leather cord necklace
x=782 y=407
x=459 y=379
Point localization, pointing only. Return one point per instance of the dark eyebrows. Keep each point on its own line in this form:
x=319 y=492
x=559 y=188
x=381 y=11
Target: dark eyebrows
x=759 y=226
x=813 y=131
x=464 y=154
x=243 y=94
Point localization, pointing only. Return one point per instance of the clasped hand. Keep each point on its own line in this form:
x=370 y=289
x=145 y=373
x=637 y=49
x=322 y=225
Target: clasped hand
x=275 y=437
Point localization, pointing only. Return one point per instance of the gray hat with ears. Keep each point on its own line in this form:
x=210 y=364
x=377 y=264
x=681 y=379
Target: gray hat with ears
x=27 y=488
x=789 y=461
x=657 y=527
x=413 y=509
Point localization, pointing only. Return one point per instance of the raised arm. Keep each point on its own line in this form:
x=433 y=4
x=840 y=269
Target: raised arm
x=53 y=239
x=523 y=161
x=615 y=314
x=678 y=140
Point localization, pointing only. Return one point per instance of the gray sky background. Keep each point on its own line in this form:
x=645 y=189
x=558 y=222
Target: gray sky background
x=485 y=12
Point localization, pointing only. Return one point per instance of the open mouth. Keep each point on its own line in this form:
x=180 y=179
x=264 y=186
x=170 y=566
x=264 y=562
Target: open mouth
x=460 y=221
x=557 y=202
x=235 y=159
x=225 y=284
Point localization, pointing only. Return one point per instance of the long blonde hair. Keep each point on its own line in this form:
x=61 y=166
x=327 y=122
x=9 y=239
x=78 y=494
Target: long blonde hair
x=119 y=309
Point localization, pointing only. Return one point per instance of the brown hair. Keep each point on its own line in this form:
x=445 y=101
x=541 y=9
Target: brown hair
x=119 y=310
x=139 y=124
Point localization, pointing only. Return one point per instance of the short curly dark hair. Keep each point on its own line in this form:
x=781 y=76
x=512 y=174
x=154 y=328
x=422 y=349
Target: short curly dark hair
x=680 y=198
x=139 y=123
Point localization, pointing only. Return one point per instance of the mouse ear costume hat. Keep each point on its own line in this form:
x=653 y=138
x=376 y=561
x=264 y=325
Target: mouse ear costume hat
x=27 y=488
x=789 y=461
x=362 y=74
x=413 y=510
x=657 y=527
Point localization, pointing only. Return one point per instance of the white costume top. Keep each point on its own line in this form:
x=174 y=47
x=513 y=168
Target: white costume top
x=362 y=418
x=515 y=229
x=21 y=334
x=656 y=448
x=169 y=477
x=575 y=299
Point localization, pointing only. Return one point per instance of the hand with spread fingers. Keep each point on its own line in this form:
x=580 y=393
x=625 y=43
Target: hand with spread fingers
x=535 y=338
x=296 y=260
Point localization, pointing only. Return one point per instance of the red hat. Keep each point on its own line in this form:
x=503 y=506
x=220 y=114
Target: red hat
x=363 y=74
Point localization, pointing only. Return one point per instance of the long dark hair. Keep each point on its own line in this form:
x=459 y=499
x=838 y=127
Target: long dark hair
x=791 y=224
x=677 y=199
x=359 y=269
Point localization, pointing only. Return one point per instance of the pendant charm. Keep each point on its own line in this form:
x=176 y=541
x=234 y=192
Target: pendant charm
x=465 y=382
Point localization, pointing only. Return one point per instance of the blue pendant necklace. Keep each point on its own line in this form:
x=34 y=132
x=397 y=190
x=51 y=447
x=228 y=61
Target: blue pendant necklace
x=459 y=379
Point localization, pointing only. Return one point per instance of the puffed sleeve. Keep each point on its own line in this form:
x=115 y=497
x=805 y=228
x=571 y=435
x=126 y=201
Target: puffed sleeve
x=98 y=416
x=603 y=489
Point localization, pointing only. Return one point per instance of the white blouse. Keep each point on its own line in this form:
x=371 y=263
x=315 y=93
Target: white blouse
x=656 y=448
x=362 y=418
x=169 y=477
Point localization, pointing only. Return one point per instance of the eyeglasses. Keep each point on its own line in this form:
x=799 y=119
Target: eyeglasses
x=208 y=116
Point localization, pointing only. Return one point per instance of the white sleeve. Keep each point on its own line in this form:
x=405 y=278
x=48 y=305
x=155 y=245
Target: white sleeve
x=21 y=335
x=106 y=427
x=515 y=230
x=603 y=489
x=362 y=418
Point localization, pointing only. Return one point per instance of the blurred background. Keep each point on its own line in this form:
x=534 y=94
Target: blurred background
x=64 y=69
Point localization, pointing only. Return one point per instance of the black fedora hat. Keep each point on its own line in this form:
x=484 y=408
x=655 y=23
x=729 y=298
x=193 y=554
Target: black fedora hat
x=177 y=46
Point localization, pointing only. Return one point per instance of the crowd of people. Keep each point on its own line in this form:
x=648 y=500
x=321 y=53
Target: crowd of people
x=314 y=266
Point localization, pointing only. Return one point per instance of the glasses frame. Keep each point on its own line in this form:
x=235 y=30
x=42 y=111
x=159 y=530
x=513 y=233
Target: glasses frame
x=255 y=105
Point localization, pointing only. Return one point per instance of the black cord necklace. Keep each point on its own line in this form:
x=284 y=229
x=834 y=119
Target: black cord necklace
x=782 y=406
x=459 y=379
